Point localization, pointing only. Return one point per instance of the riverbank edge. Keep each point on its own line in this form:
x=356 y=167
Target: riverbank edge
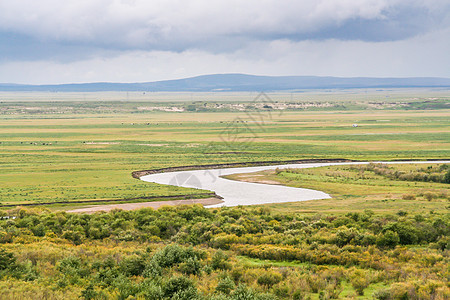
x=130 y=200
x=141 y=173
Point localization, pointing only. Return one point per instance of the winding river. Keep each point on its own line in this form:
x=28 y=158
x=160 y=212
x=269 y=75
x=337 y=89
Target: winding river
x=244 y=193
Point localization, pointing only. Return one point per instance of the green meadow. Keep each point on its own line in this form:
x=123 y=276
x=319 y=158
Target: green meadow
x=64 y=151
x=383 y=235
x=358 y=188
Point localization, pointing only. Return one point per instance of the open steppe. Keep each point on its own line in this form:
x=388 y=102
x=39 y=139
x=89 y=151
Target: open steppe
x=384 y=234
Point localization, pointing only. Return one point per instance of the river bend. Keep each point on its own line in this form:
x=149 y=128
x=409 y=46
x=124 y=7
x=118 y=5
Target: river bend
x=245 y=193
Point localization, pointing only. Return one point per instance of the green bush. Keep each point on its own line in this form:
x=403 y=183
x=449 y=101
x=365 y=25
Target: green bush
x=242 y=292
x=132 y=266
x=151 y=290
x=179 y=288
x=447 y=177
x=268 y=279
x=359 y=280
x=220 y=261
x=7 y=260
x=225 y=285
x=388 y=239
x=191 y=266
x=89 y=293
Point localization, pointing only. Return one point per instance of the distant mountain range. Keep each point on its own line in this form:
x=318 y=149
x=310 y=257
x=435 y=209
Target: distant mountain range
x=239 y=82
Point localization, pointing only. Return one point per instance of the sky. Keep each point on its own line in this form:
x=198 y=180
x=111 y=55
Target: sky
x=74 y=41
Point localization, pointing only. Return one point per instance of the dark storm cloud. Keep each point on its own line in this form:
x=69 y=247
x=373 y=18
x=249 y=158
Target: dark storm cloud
x=54 y=41
x=72 y=29
x=398 y=23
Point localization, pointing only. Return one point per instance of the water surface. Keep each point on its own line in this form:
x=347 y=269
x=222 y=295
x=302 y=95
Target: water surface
x=245 y=193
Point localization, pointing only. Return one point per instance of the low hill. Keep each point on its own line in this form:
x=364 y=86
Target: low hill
x=240 y=82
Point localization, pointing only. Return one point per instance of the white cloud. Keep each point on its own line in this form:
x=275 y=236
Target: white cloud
x=170 y=23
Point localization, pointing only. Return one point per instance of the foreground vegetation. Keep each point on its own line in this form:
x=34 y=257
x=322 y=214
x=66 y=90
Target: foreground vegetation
x=190 y=252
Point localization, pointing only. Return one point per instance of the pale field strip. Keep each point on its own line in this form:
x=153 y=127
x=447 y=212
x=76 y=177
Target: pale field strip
x=370 y=94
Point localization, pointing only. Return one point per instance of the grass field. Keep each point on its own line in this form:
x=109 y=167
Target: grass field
x=376 y=238
x=355 y=189
x=46 y=156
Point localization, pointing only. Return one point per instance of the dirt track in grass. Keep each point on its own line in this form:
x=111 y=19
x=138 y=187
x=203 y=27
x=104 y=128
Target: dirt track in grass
x=154 y=205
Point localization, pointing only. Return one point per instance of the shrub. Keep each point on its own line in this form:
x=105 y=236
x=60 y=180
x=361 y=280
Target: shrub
x=447 y=177
x=268 y=279
x=429 y=196
x=89 y=293
x=359 y=280
x=345 y=236
x=38 y=230
x=382 y=294
x=174 y=254
x=298 y=295
x=407 y=233
x=388 y=239
x=409 y=197
x=332 y=290
x=69 y=264
x=132 y=266
x=242 y=292
x=402 y=213
x=191 y=266
x=7 y=260
x=224 y=241
x=150 y=290
x=219 y=261
x=5 y=237
x=125 y=287
x=403 y=290
x=225 y=285
x=315 y=282
x=443 y=243
x=179 y=288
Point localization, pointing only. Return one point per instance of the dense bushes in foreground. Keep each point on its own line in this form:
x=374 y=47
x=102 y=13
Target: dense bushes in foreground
x=190 y=252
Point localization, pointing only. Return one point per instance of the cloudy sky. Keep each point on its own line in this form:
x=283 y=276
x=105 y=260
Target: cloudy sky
x=54 y=41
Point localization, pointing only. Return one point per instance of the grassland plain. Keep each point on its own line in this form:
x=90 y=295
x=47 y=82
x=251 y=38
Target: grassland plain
x=378 y=238
x=357 y=188
x=57 y=157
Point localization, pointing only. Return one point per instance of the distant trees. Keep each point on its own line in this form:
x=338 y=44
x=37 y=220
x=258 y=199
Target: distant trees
x=432 y=174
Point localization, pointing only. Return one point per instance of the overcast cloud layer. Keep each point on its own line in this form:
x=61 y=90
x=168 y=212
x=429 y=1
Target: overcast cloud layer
x=52 y=41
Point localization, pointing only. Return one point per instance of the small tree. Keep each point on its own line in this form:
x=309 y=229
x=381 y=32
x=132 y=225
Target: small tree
x=243 y=293
x=7 y=260
x=268 y=279
x=89 y=293
x=178 y=286
x=447 y=177
x=191 y=266
x=359 y=279
x=225 y=285
x=388 y=239
x=132 y=266
x=219 y=261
